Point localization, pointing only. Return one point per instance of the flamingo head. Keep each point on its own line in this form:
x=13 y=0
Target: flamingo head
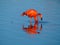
x=40 y=15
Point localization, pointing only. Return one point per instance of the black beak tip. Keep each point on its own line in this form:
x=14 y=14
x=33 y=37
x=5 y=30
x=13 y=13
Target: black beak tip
x=41 y=18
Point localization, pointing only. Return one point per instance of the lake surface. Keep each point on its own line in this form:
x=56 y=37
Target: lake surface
x=11 y=22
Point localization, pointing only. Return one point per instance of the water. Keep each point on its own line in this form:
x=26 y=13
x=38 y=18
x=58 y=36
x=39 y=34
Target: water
x=11 y=22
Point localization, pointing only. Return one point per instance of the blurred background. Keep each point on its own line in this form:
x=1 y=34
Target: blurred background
x=11 y=22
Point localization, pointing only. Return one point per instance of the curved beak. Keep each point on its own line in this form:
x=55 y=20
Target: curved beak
x=40 y=15
x=41 y=18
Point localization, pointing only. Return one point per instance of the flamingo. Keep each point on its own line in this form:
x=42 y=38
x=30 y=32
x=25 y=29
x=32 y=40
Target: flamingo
x=32 y=13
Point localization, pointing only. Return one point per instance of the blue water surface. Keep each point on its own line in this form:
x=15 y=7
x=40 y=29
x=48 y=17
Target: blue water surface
x=11 y=22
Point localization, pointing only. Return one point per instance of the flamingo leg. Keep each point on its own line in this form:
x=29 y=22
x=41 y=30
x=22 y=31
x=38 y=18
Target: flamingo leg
x=36 y=19
x=30 y=19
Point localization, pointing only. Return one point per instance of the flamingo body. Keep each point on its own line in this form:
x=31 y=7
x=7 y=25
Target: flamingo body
x=32 y=13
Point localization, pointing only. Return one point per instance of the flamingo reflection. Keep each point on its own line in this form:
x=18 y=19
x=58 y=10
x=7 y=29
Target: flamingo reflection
x=32 y=29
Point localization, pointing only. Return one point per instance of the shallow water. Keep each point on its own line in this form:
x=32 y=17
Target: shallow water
x=11 y=22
